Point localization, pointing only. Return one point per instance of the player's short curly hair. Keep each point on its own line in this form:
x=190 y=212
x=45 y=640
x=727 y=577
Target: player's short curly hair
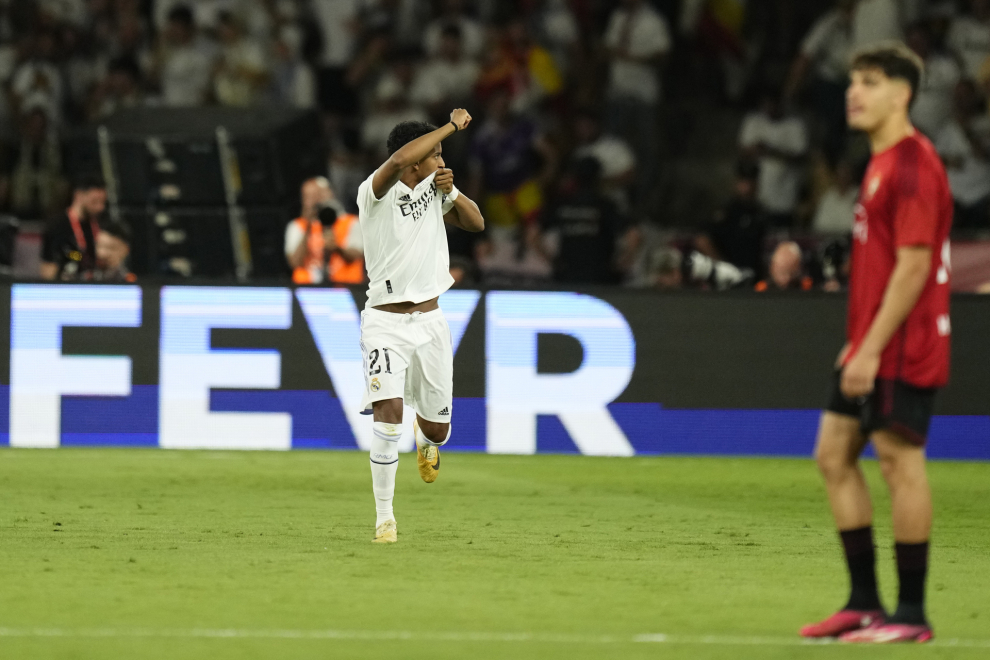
x=405 y=132
x=895 y=60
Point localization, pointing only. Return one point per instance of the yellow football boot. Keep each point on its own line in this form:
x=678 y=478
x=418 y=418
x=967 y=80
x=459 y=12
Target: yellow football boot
x=427 y=457
x=385 y=533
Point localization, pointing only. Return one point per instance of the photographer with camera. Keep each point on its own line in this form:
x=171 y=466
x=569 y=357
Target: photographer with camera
x=324 y=242
x=740 y=227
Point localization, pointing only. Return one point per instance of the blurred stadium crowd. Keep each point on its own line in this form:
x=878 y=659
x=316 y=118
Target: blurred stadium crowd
x=651 y=143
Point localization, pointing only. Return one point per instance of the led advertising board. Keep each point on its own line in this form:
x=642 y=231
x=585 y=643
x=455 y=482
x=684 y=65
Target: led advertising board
x=606 y=373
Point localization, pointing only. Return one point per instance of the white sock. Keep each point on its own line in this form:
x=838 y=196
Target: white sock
x=384 y=463
x=422 y=440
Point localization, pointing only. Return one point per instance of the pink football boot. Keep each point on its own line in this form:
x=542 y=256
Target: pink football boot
x=844 y=621
x=889 y=633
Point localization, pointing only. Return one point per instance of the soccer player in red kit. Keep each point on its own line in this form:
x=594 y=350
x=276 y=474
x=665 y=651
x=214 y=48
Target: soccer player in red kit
x=897 y=350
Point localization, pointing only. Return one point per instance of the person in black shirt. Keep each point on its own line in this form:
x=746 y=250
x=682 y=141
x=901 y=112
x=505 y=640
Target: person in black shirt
x=587 y=224
x=738 y=233
x=68 y=249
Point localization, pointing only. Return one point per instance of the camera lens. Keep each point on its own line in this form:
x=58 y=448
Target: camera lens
x=327 y=215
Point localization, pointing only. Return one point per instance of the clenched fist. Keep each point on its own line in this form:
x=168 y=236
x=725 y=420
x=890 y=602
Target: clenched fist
x=859 y=375
x=445 y=179
x=461 y=118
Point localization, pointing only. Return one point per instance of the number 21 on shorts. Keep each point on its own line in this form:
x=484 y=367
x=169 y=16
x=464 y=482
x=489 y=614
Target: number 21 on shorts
x=375 y=367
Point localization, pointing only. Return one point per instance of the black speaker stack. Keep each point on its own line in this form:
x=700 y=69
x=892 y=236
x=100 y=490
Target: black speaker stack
x=207 y=192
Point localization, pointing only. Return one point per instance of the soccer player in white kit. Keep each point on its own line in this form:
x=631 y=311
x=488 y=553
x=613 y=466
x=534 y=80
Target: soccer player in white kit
x=404 y=336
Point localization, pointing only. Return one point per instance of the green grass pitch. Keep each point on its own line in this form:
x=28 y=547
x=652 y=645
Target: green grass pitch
x=157 y=554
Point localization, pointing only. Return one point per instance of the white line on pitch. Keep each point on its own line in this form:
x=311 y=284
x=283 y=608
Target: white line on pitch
x=395 y=635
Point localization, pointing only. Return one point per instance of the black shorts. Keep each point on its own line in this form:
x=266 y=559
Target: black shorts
x=892 y=405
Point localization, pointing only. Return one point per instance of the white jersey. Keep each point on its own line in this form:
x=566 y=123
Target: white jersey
x=405 y=242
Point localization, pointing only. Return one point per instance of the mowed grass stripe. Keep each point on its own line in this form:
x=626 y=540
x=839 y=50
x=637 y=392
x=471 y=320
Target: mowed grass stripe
x=148 y=540
x=438 y=636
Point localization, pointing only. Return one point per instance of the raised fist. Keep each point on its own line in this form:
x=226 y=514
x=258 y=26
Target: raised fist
x=461 y=118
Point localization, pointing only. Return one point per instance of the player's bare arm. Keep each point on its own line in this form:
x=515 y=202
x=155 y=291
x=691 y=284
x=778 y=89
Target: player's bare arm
x=905 y=287
x=298 y=257
x=465 y=215
x=413 y=153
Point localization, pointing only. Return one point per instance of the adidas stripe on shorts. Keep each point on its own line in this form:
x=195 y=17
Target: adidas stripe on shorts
x=408 y=356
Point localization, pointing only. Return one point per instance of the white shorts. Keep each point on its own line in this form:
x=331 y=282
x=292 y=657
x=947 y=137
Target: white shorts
x=409 y=357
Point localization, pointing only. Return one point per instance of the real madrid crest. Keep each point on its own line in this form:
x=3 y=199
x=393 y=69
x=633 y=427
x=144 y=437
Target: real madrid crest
x=375 y=385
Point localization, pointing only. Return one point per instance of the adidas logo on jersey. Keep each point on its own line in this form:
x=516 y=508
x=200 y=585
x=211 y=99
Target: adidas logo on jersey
x=405 y=198
x=445 y=411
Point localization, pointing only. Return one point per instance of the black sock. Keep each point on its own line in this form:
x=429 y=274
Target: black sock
x=912 y=568
x=861 y=559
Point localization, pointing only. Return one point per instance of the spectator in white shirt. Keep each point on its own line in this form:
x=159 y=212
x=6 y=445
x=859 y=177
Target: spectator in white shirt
x=37 y=186
x=614 y=155
x=779 y=142
x=875 y=21
x=637 y=40
x=340 y=28
x=964 y=144
x=447 y=80
x=933 y=103
x=71 y=12
x=827 y=47
x=557 y=29
x=81 y=67
x=837 y=207
x=401 y=20
x=969 y=37
x=204 y=12
x=38 y=78
x=183 y=66
x=392 y=105
x=241 y=72
x=826 y=51
x=453 y=13
x=293 y=78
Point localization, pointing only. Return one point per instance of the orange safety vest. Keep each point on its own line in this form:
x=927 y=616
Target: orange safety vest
x=341 y=271
x=314 y=252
